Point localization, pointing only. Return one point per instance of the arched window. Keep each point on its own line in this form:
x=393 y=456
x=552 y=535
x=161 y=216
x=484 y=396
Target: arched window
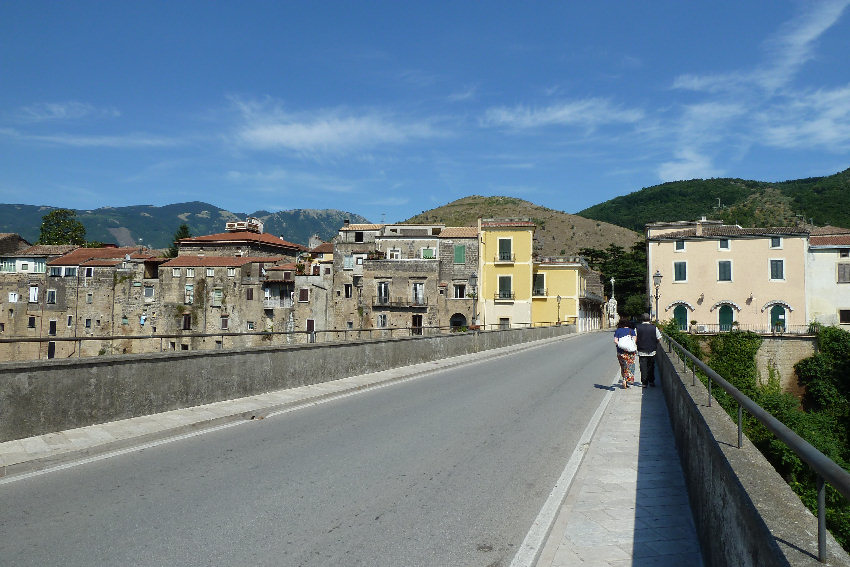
x=680 y=314
x=457 y=321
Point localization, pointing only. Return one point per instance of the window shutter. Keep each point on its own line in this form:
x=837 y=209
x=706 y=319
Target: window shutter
x=460 y=254
x=843 y=273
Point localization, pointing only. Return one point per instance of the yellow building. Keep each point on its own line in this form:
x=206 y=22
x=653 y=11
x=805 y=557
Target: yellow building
x=517 y=290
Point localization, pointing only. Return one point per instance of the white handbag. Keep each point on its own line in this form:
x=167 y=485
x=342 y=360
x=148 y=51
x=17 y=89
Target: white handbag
x=627 y=343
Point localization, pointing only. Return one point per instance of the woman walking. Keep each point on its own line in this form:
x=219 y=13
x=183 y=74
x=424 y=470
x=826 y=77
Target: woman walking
x=625 y=339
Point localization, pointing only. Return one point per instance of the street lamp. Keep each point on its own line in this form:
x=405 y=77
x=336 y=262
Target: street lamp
x=656 y=280
x=559 y=309
x=473 y=283
x=612 y=288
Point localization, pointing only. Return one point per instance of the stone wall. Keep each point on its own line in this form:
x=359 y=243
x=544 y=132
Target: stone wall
x=778 y=355
x=57 y=395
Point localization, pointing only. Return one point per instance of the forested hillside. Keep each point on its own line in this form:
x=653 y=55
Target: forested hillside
x=820 y=200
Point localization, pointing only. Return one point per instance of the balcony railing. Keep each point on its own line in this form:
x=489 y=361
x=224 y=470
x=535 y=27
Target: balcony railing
x=505 y=257
x=383 y=301
x=714 y=328
x=540 y=292
x=504 y=296
x=276 y=303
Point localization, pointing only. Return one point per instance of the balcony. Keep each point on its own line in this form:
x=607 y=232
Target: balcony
x=504 y=296
x=505 y=258
x=276 y=303
x=540 y=292
x=383 y=301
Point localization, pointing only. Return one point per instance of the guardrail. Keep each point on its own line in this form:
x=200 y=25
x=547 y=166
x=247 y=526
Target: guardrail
x=715 y=328
x=825 y=469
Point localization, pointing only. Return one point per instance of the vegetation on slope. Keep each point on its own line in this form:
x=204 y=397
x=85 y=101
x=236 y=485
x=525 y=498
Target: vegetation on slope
x=820 y=200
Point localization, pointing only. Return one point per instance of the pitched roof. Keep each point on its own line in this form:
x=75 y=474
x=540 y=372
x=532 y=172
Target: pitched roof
x=324 y=248
x=282 y=267
x=732 y=230
x=218 y=261
x=459 y=232
x=47 y=250
x=362 y=227
x=507 y=223
x=829 y=230
x=81 y=255
x=826 y=241
x=242 y=236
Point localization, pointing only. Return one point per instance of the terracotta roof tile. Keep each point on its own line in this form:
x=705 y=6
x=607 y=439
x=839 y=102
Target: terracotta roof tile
x=829 y=231
x=459 y=232
x=80 y=255
x=324 y=248
x=218 y=261
x=836 y=240
x=729 y=230
x=363 y=227
x=48 y=250
x=243 y=236
x=506 y=223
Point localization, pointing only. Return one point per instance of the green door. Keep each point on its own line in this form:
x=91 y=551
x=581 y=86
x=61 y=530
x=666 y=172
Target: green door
x=680 y=314
x=777 y=318
x=725 y=318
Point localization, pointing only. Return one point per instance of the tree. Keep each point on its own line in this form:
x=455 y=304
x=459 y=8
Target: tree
x=182 y=232
x=60 y=226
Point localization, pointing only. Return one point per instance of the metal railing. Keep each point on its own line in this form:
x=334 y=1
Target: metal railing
x=504 y=295
x=825 y=469
x=505 y=257
x=715 y=328
x=540 y=292
x=383 y=301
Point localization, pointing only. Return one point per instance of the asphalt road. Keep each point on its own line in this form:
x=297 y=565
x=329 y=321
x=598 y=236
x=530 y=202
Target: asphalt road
x=449 y=469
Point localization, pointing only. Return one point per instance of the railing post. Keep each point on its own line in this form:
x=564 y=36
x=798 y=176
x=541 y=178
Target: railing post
x=740 y=430
x=693 y=373
x=821 y=519
x=710 y=382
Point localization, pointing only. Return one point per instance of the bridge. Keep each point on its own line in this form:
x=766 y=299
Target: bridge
x=492 y=448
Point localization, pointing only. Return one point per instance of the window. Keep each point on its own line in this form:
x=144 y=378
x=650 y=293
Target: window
x=218 y=293
x=251 y=326
x=724 y=271
x=304 y=294
x=71 y=272
x=383 y=293
x=210 y=272
x=88 y=323
x=843 y=273
x=844 y=253
x=394 y=254
x=349 y=324
x=428 y=254
x=777 y=269
x=189 y=295
x=327 y=271
x=30 y=322
x=382 y=320
x=348 y=288
x=225 y=321
x=231 y=272
x=13 y=297
x=505 y=287
x=360 y=260
x=70 y=321
x=55 y=271
x=89 y=272
x=89 y=297
x=51 y=296
x=25 y=267
x=680 y=245
x=723 y=244
x=2 y=327
x=184 y=347
x=348 y=262
x=8 y=265
x=358 y=281
x=505 y=250
x=51 y=328
x=775 y=242
x=39 y=266
x=187 y=322
x=190 y=272
x=249 y=294
x=149 y=292
x=680 y=271
x=460 y=254
x=175 y=272
x=460 y=291
x=418 y=293
x=125 y=320
x=539 y=287
x=33 y=294
x=358 y=236
x=844 y=316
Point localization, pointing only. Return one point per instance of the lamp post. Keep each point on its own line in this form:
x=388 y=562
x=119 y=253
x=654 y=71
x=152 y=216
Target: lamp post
x=656 y=280
x=612 y=288
x=559 y=309
x=473 y=283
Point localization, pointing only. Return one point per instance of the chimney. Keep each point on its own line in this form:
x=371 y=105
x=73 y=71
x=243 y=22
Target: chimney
x=346 y=222
x=699 y=226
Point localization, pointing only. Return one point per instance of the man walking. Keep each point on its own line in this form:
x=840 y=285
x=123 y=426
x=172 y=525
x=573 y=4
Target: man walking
x=647 y=343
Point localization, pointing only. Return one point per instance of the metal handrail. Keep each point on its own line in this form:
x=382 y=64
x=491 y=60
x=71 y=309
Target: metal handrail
x=825 y=468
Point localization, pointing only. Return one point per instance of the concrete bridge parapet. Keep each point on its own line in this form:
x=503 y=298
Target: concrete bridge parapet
x=744 y=511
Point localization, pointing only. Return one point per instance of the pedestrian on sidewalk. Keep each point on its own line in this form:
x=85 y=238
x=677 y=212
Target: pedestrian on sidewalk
x=648 y=336
x=625 y=339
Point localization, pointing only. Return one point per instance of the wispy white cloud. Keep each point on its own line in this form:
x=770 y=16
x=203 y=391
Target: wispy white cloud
x=586 y=113
x=689 y=164
x=137 y=140
x=63 y=111
x=265 y=126
x=279 y=179
x=815 y=120
x=467 y=93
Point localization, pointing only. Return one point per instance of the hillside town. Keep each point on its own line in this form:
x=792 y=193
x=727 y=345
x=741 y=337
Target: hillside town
x=244 y=287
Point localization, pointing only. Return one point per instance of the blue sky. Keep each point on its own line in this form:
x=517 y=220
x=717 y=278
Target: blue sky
x=387 y=109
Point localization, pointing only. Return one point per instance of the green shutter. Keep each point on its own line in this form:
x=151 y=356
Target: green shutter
x=460 y=254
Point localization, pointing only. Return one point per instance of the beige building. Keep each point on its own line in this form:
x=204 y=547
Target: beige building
x=716 y=277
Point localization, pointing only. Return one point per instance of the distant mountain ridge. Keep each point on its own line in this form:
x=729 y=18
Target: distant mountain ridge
x=155 y=226
x=815 y=200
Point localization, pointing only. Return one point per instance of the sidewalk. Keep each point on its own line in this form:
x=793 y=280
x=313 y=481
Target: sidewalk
x=627 y=505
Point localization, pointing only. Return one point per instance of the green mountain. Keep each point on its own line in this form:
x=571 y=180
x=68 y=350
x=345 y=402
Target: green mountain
x=817 y=200
x=155 y=226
